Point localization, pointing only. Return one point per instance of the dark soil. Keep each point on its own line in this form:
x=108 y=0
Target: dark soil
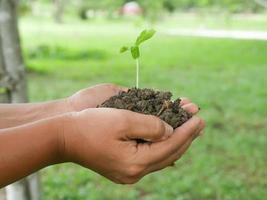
x=148 y=101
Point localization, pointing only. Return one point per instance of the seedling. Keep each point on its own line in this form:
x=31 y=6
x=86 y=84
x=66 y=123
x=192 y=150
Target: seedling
x=147 y=101
x=135 y=49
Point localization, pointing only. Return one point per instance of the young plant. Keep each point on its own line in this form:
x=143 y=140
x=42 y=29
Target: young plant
x=135 y=49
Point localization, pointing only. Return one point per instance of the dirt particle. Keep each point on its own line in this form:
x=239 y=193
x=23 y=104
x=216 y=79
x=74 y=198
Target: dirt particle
x=148 y=101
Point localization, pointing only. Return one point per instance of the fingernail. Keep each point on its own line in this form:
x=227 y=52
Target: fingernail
x=125 y=89
x=168 y=129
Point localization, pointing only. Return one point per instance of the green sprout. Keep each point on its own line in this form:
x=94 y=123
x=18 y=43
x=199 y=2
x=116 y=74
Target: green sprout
x=135 y=49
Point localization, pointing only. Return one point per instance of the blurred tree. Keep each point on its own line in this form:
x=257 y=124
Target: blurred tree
x=25 y=7
x=152 y=9
x=109 y=6
x=229 y=5
x=59 y=10
x=2 y=194
x=13 y=86
x=4 y=94
x=262 y=3
x=12 y=50
x=169 y=5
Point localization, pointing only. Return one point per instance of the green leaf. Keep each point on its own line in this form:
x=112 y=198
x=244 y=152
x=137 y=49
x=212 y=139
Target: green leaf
x=124 y=49
x=145 y=35
x=135 y=52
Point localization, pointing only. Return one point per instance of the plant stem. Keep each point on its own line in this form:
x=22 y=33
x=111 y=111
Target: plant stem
x=137 y=72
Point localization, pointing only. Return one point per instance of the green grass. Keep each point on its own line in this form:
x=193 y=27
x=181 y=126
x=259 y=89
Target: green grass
x=227 y=78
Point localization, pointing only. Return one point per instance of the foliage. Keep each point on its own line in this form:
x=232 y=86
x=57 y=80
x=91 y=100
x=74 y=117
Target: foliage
x=152 y=10
x=103 y=5
x=229 y=5
x=24 y=7
x=135 y=49
x=57 y=52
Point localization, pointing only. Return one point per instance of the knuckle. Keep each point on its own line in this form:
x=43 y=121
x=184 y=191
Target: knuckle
x=135 y=171
x=122 y=121
x=158 y=127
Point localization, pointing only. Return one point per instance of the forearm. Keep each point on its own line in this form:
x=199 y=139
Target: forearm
x=12 y=115
x=28 y=148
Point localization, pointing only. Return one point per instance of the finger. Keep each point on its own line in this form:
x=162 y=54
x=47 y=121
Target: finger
x=202 y=127
x=184 y=101
x=177 y=155
x=191 y=108
x=146 y=127
x=169 y=161
x=161 y=150
x=124 y=89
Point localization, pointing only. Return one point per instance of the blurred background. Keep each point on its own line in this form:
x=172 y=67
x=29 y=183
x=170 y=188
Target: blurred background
x=212 y=51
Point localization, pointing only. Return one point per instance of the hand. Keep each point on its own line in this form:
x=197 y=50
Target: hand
x=93 y=96
x=104 y=140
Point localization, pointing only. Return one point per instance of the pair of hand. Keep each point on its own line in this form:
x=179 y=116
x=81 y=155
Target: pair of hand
x=104 y=139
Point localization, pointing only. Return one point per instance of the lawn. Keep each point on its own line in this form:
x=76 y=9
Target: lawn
x=227 y=78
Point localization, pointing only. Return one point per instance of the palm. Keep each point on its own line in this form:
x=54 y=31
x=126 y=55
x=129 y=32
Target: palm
x=93 y=96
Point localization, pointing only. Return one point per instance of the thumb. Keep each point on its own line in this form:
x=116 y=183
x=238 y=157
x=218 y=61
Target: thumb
x=147 y=127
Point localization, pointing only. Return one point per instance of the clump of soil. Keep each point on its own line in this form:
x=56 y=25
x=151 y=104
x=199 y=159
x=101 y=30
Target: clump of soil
x=148 y=101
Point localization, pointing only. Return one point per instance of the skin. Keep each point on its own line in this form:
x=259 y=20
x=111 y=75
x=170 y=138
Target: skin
x=34 y=136
x=19 y=114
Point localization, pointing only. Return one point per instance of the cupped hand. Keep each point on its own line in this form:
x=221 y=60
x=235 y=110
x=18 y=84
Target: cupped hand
x=93 y=96
x=104 y=140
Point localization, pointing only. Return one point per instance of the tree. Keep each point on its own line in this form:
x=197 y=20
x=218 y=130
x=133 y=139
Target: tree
x=4 y=95
x=262 y=3
x=152 y=9
x=59 y=10
x=109 y=6
x=13 y=87
x=2 y=194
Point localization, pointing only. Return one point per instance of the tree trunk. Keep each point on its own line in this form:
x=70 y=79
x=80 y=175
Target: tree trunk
x=59 y=10
x=4 y=80
x=2 y=194
x=13 y=87
x=12 y=51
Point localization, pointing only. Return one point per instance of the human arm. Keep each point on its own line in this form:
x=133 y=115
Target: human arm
x=12 y=115
x=103 y=140
x=26 y=149
x=117 y=155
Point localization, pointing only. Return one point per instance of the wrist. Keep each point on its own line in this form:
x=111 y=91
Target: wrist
x=64 y=127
